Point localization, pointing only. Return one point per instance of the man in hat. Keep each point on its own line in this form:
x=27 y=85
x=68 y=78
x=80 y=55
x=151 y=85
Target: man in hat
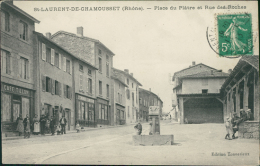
x=63 y=122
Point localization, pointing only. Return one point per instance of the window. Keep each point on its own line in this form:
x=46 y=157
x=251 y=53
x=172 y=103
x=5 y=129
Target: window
x=48 y=84
x=140 y=100
x=56 y=61
x=118 y=97
x=107 y=91
x=5 y=62
x=99 y=52
x=90 y=86
x=132 y=85
x=204 y=91
x=56 y=87
x=107 y=66
x=103 y=111
x=107 y=58
x=119 y=85
x=80 y=81
x=89 y=72
x=24 y=68
x=127 y=81
x=23 y=30
x=133 y=98
x=128 y=94
x=48 y=55
x=68 y=66
x=5 y=21
x=204 y=82
x=100 y=64
x=68 y=92
x=122 y=114
x=128 y=112
x=100 y=87
x=81 y=68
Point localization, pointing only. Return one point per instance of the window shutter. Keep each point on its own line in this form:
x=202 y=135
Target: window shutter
x=64 y=63
x=52 y=56
x=59 y=61
x=53 y=86
x=11 y=65
x=70 y=67
x=87 y=82
x=43 y=83
x=19 y=67
x=59 y=88
x=70 y=92
x=65 y=90
x=28 y=70
x=3 y=55
x=43 y=52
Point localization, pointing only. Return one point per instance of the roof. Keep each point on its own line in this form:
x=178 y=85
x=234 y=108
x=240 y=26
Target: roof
x=208 y=74
x=193 y=67
x=118 y=79
x=150 y=92
x=207 y=95
x=252 y=60
x=128 y=75
x=20 y=11
x=49 y=40
x=177 y=87
x=83 y=37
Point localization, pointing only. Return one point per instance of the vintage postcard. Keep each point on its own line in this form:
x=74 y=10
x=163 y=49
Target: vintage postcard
x=130 y=82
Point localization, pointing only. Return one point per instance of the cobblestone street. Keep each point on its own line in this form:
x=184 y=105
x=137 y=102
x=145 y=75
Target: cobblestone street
x=193 y=144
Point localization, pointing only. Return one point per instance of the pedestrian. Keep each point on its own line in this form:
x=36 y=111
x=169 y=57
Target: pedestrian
x=47 y=125
x=243 y=115
x=151 y=129
x=52 y=125
x=20 y=127
x=58 y=129
x=235 y=121
x=229 y=128
x=42 y=124
x=26 y=123
x=63 y=122
x=138 y=127
x=78 y=127
x=36 y=125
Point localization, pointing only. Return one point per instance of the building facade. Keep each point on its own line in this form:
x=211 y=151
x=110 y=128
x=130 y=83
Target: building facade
x=197 y=94
x=98 y=55
x=132 y=95
x=118 y=99
x=17 y=64
x=241 y=92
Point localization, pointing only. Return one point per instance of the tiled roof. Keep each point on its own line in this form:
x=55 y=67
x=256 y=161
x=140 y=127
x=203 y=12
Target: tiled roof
x=128 y=75
x=207 y=74
x=193 y=67
x=150 y=92
x=252 y=60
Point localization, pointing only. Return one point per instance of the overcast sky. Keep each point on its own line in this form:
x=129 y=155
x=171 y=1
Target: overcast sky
x=151 y=43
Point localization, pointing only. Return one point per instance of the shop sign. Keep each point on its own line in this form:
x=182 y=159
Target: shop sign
x=12 y=89
x=86 y=99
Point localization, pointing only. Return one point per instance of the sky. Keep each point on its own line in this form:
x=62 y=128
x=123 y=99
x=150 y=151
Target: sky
x=152 y=44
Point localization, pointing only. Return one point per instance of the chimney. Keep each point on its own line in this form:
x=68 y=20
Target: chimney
x=48 y=35
x=132 y=74
x=193 y=63
x=150 y=89
x=212 y=72
x=80 y=31
x=229 y=71
x=126 y=70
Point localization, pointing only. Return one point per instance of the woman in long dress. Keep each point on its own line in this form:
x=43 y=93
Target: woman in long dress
x=26 y=123
x=20 y=126
x=36 y=125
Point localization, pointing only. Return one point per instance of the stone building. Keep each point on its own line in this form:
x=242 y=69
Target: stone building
x=148 y=98
x=97 y=54
x=17 y=64
x=241 y=91
x=197 y=94
x=132 y=95
x=118 y=99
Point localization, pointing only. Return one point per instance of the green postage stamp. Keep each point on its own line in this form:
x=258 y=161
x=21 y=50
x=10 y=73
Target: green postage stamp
x=235 y=34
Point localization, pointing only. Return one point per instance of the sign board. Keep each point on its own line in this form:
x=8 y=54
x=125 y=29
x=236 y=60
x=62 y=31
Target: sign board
x=154 y=110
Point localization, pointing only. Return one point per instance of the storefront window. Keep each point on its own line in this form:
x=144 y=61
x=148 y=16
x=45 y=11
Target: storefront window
x=82 y=110
x=99 y=111
x=105 y=112
x=122 y=115
x=86 y=111
x=6 y=107
x=91 y=112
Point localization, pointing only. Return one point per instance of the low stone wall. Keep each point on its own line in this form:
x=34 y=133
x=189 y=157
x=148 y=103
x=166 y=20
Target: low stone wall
x=152 y=140
x=248 y=129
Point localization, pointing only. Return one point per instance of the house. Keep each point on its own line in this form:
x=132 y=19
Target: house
x=148 y=98
x=132 y=93
x=241 y=91
x=97 y=54
x=17 y=64
x=119 y=99
x=197 y=93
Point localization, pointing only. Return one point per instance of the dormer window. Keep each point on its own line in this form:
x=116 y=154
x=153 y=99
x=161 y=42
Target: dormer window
x=5 y=18
x=23 y=30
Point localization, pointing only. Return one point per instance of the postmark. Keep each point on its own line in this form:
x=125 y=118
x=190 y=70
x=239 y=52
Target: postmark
x=234 y=34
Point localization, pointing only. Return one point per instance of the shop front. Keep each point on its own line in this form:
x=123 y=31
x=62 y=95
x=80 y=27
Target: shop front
x=103 y=112
x=15 y=101
x=85 y=111
x=120 y=114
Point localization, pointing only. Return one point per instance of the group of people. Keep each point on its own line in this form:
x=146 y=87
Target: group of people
x=233 y=123
x=40 y=126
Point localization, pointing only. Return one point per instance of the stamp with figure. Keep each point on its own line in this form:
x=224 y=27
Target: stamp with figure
x=235 y=34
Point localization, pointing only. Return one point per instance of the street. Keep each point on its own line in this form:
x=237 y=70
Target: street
x=193 y=144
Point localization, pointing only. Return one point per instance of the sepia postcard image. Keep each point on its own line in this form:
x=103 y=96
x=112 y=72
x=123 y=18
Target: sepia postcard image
x=130 y=82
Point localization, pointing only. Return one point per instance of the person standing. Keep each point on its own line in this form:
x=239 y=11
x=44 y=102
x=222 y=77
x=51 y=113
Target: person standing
x=52 y=125
x=20 y=127
x=26 y=123
x=138 y=127
x=63 y=122
x=235 y=121
x=36 y=125
x=229 y=128
x=42 y=124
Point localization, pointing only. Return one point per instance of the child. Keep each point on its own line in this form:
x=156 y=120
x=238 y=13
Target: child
x=229 y=128
x=77 y=127
x=58 y=129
